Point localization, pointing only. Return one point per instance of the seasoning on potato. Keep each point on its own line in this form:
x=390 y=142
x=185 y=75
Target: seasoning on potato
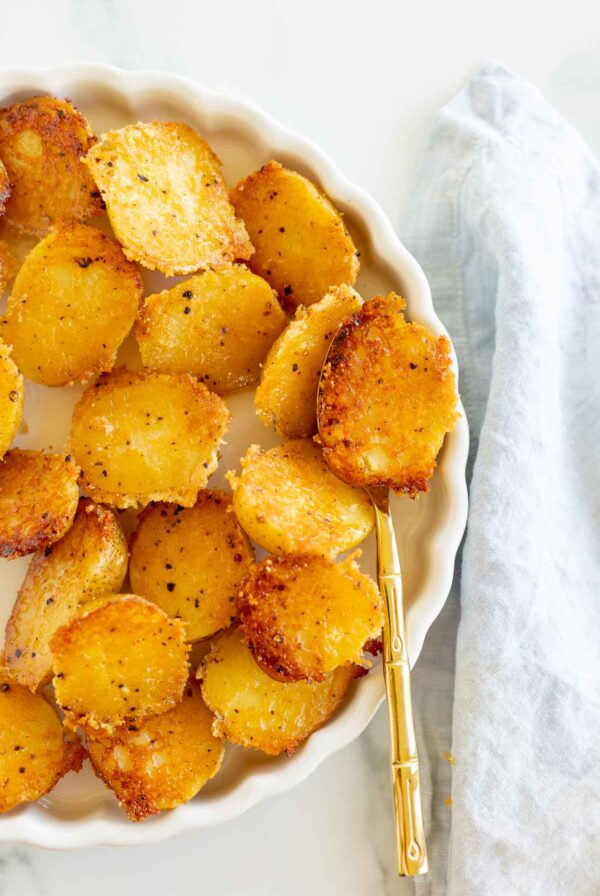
x=12 y=399
x=166 y=198
x=142 y=437
x=288 y=501
x=4 y=188
x=302 y=247
x=191 y=561
x=254 y=710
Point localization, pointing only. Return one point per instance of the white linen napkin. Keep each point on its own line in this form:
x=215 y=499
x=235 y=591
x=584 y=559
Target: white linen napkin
x=505 y=219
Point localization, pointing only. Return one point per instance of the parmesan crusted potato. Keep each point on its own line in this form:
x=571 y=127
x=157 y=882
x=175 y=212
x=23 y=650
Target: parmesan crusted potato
x=286 y=397
x=166 y=198
x=191 y=561
x=34 y=754
x=142 y=437
x=89 y=561
x=387 y=398
x=303 y=616
x=73 y=302
x=119 y=663
x=302 y=247
x=9 y=265
x=38 y=500
x=162 y=762
x=12 y=399
x=219 y=326
x=4 y=187
x=289 y=501
x=42 y=141
x=254 y=710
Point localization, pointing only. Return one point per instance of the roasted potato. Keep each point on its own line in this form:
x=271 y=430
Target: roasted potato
x=34 y=753
x=289 y=501
x=166 y=198
x=119 y=663
x=38 y=500
x=9 y=265
x=254 y=710
x=73 y=302
x=142 y=437
x=303 y=616
x=4 y=187
x=286 y=397
x=219 y=326
x=191 y=561
x=42 y=141
x=12 y=399
x=386 y=400
x=162 y=762
x=302 y=247
x=89 y=561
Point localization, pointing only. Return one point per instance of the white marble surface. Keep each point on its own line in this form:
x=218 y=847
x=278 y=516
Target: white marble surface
x=363 y=80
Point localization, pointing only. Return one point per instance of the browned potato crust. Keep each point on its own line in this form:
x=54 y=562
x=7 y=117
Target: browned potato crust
x=73 y=302
x=219 y=326
x=386 y=400
x=303 y=616
x=90 y=560
x=142 y=437
x=166 y=198
x=42 y=141
x=288 y=500
x=34 y=753
x=162 y=762
x=191 y=562
x=9 y=265
x=254 y=710
x=119 y=663
x=12 y=399
x=38 y=500
x=4 y=187
x=286 y=398
x=302 y=247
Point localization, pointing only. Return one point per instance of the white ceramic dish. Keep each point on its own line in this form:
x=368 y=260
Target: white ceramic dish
x=80 y=811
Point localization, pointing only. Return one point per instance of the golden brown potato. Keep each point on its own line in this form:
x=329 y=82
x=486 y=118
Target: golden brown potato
x=4 y=187
x=34 y=754
x=219 y=326
x=142 y=437
x=162 y=762
x=286 y=398
x=302 y=247
x=42 y=141
x=386 y=400
x=72 y=304
x=289 y=501
x=38 y=500
x=9 y=265
x=254 y=710
x=191 y=562
x=12 y=399
x=89 y=561
x=303 y=616
x=119 y=663
x=166 y=198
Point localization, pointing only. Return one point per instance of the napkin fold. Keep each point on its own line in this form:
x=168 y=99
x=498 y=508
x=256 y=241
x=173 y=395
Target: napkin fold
x=505 y=219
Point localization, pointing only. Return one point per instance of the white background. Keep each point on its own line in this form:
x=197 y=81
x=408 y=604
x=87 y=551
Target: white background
x=364 y=80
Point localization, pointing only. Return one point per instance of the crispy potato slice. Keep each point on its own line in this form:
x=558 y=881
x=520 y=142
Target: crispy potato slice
x=89 y=561
x=302 y=247
x=289 y=501
x=9 y=265
x=34 y=752
x=119 y=663
x=38 y=500
x=72 y=304
x=42 y=141
x=286 y=398
x=162 y=762
x=12 y=399
x=219 y=326
x=386 y=400
x=303 y=616
x=191 y=562
x=142 y=437
x=254 y=710
x=4 y=187
x=166 y=198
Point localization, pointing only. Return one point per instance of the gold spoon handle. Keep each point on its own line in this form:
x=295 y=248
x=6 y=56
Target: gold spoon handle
x=410 y=835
